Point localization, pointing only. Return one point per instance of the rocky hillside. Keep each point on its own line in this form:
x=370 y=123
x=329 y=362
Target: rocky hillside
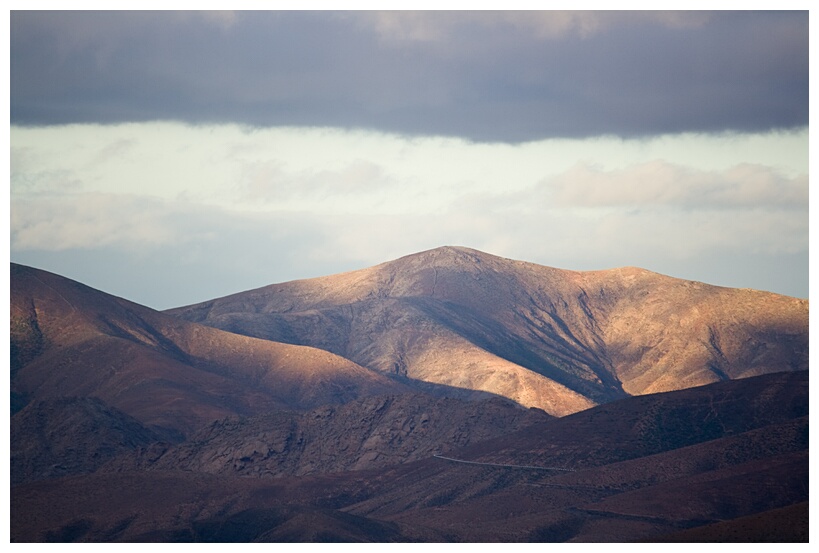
x=559 y=340
x=69 y=436
x=369 y=433
x=632 y=468
x=716 y=458
x=69 y=340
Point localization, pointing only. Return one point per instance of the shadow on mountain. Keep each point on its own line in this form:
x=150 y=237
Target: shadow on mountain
x=562 y=479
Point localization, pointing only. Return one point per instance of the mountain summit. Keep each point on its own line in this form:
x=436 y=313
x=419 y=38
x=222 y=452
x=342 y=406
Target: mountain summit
x=554 y=339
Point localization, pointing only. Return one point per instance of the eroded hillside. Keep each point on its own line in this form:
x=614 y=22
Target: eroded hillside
x=550 y=338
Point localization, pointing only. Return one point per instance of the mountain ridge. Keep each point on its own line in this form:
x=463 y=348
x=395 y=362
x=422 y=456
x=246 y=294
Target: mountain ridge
x=68 y=339
x=565 y=339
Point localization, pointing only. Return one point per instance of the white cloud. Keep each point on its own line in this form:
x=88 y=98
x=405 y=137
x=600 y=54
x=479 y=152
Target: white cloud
x=659 y=183
x=90 y=220
x=317 y=201
x=267 y=181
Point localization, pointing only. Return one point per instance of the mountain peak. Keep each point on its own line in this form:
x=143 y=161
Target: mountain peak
x=445 y=254
x=550 y=338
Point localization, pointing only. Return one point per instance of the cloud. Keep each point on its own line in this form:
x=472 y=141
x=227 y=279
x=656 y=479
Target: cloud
x=595 y=238
x=114 y=151
x=211 y=253
x=29 y=177
x=203 y=211
x=483 y=76
x=204 y=253
x=90 y=220
x=659 y=183
x=268 y=181
x=186 y=253
x=420 y=26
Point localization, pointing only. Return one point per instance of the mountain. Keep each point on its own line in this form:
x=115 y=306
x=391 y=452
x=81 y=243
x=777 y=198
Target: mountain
x=559 y=340
x=714 y=458
x=625 y=459
x=69 y=340
x=363 y=434
x=389 y=405
x=95 y=377
x=66 y=436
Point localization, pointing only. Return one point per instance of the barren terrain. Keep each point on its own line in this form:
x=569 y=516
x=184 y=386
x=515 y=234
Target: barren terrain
x=449 y=395
x=558 y=340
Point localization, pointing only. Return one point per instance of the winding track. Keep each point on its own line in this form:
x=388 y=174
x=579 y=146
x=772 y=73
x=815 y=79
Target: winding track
x=500 y=465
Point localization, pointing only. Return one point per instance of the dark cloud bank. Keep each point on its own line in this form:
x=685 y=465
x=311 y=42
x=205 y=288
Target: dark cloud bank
x=488 y=78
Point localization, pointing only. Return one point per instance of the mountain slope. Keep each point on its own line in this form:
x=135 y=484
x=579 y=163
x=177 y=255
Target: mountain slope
x=65 y=436
x=369 y=433
x=639 y=467
x=69 y=340
x=559 y=340
x=751 y=461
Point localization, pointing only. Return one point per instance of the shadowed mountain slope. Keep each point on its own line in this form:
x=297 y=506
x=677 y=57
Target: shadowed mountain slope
x=69 y=340
x=739 y=454
x=643 y=427
x=686 y=458
x=369 y=433
x=559 y=340
x=64 y=436
x=785 y=525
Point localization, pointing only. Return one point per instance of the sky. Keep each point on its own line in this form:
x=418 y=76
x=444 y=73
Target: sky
x=174 y=157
